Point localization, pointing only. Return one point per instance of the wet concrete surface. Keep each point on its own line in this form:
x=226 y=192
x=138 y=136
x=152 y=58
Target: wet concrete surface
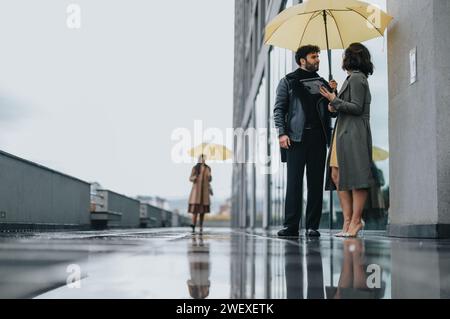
x=220 y=264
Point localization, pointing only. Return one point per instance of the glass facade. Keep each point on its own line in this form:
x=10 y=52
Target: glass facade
x=250 y=175
x=280 y=63
x=261 y=155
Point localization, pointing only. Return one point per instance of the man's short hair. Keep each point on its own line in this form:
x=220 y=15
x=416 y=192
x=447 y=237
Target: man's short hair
x=303 y=52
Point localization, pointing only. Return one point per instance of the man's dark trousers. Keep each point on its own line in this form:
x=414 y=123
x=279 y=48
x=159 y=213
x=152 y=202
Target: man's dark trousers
x=311 y=152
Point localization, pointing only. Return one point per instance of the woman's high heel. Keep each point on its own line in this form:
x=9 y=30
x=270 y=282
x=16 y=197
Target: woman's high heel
x=342 y=233
x=361 y=229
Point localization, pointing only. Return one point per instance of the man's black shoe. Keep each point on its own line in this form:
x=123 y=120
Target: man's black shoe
x=286 y=232
x=312 y=233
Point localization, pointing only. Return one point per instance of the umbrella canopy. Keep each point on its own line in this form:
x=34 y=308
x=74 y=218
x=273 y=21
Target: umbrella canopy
x=212 y=152
x=330 y=24
x=379 y=154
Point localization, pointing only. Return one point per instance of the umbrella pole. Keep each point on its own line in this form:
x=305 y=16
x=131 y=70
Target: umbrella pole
x=330 y=77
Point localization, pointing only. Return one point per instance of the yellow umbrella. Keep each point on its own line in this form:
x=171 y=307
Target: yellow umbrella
x=330 y=24
x=379 y=154
x=212 y=152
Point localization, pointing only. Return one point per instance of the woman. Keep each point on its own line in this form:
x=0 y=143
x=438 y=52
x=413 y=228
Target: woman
x=199 y=201
x=350 y=158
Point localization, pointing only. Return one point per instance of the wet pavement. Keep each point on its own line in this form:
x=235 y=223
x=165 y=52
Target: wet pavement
x=220 y=264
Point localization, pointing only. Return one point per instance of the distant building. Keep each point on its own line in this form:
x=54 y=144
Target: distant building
x=225 y=208
x=154 y=201
x=95 y=200
x=95 y=186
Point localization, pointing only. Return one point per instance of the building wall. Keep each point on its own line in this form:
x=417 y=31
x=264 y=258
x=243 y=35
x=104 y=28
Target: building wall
x=34 y=195
x=128 y=207
x=419 y=119
x=441 y=22
x=155 y=215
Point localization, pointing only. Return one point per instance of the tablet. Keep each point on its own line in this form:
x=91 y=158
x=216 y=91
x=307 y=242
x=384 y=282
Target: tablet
x=313 y=85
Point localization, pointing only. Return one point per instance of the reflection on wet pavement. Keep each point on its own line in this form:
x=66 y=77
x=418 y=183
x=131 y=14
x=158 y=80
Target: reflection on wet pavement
x=222 y=263
x=199 y=266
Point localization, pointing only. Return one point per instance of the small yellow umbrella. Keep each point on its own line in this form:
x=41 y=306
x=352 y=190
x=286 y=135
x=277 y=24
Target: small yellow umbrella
x=330 y=24
x=379 y=154
x=212 y=152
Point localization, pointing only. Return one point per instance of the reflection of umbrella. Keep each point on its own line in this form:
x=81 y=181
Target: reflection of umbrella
x=331 y=24
x=379 y=154
x=212 y=152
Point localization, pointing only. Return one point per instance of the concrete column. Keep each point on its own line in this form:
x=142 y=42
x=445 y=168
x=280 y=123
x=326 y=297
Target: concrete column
x=419 y=119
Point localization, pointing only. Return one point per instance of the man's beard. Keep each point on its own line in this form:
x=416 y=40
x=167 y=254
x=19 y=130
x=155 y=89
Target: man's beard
x=312 y=67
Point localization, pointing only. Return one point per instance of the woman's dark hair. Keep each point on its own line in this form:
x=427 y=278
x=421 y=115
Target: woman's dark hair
x=357 y=58
x=303 y=52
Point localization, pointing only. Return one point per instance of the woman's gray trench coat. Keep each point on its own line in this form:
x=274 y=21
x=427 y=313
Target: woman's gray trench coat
x=353 y=135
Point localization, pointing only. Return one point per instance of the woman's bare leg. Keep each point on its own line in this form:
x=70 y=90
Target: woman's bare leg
x=359 y=200
x=346 y=278
x=202 y=218
x=359 y=274
x=345 y=199
x=194 y=222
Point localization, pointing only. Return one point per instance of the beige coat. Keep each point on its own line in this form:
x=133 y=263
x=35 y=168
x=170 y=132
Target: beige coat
x=200 y=188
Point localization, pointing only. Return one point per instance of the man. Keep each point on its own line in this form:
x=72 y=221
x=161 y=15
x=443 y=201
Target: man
x=304 y=126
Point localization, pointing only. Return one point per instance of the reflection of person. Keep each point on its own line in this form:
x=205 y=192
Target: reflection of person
x=353 y=279
x=199 y=265
x=199 y=200
x=304 y=128
x=294 y=270
x=375 y=207
x=350 y=159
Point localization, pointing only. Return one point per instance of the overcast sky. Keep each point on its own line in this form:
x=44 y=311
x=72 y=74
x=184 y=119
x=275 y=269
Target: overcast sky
x=101 y=102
